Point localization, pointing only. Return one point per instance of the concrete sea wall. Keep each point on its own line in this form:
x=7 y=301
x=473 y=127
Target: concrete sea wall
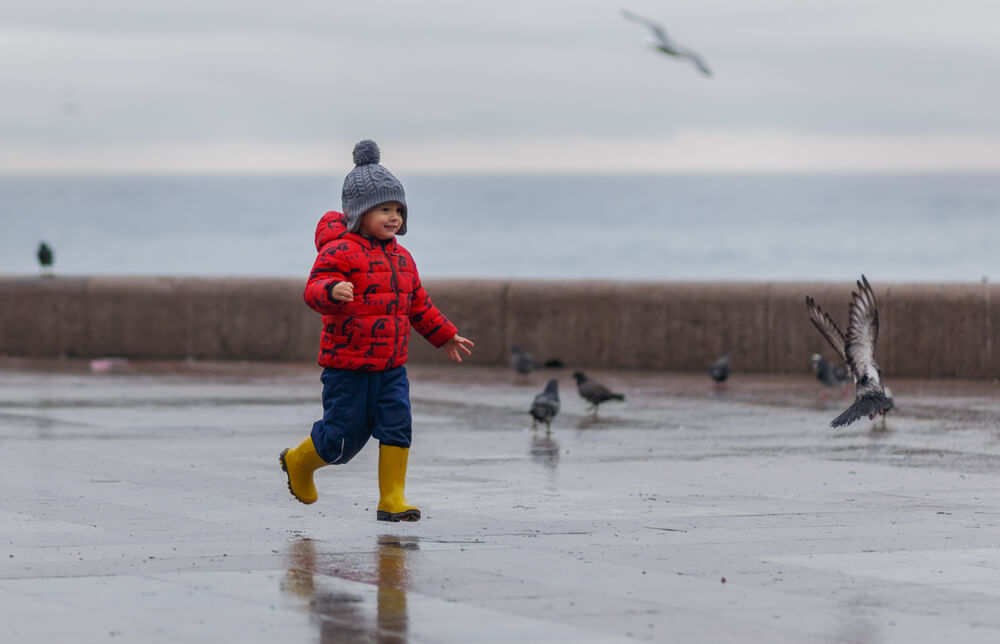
x=927 y=330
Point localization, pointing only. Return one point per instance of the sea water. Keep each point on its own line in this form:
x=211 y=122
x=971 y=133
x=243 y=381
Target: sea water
x=674 y=227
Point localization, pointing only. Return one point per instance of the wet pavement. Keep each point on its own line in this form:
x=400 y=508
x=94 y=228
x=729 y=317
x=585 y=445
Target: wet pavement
x=145 y=504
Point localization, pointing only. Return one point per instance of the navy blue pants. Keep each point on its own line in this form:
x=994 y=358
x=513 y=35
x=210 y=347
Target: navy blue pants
x=358 y=405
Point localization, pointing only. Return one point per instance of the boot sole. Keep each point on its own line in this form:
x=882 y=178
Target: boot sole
x=284 y=468
x=405 y=515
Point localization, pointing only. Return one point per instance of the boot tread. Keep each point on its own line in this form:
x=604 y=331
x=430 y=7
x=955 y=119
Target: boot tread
x=412 y=514
x=284 y=468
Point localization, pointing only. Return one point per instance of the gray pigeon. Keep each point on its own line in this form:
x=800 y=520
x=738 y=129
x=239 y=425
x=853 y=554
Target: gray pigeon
x=833 y=376
x=522 y=361
x=594 y=392
x=858 y=350
x=666 y=45
x=720 y=369
x=546 y=405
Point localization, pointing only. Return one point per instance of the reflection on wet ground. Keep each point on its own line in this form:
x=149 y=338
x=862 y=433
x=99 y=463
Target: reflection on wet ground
x=343 y=617
x=544 y=449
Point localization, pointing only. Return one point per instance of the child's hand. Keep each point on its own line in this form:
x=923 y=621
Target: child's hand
x=343 y=292
x=458 y=342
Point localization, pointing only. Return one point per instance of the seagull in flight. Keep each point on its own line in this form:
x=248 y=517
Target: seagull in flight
x=664 y=44
x=857 y=349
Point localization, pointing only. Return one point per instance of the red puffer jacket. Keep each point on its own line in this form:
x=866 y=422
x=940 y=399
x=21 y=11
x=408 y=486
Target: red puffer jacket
x=370 y=333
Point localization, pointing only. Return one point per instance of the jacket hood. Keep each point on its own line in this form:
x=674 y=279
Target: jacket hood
x=331 y=226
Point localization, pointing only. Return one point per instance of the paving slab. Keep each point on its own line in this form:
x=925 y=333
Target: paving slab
x=145 y=504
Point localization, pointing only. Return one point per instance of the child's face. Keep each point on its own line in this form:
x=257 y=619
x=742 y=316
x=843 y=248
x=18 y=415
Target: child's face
x=383 y=220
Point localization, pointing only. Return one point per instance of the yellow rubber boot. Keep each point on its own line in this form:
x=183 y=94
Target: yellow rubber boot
x=300 y=463
x=391 y=481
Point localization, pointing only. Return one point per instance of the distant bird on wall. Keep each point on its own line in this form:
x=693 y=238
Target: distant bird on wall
x=46 y=258
x=664 y=44
x=720 y=369
x=594 y=392
x=521 y=361
x=858 y=350
x=546 y=405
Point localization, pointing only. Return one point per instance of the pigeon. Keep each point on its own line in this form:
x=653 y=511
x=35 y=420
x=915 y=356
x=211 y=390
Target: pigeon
x=667 y=46
x=719 y=370
x=45 y=256
x=522 y=361
x=833 y=376
x=546 y=405
x=594 y=392
x=858 y=350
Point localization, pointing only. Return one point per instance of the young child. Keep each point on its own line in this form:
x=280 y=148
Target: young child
x=366 y=286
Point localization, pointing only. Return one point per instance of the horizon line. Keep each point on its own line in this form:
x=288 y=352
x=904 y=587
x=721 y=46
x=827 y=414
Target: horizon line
x=686 y=152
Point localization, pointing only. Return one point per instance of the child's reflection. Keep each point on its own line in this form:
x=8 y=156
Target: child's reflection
x=342 y=616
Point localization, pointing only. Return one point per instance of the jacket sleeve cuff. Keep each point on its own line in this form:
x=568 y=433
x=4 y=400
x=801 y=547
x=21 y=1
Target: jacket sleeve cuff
x=440 y=335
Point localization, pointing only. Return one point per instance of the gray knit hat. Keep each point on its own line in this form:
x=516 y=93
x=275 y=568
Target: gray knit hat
x=368 y=185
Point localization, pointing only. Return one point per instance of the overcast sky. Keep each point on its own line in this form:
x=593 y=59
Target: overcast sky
x=519 y=85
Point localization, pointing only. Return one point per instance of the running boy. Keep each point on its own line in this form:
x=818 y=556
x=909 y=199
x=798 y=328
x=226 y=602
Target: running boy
x=366 y=286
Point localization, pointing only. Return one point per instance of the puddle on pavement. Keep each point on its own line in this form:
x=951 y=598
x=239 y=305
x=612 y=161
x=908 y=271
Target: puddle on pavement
x=544 y=450
x=599 y=422
x=345 y=617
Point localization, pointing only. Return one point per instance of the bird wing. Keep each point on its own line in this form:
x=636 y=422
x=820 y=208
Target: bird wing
x=825 y=324
x=657 y=28
x=596 y=392
x=696 y=59
x=862 y=334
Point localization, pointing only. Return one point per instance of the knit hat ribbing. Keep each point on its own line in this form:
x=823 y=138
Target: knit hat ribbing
x=368 y=185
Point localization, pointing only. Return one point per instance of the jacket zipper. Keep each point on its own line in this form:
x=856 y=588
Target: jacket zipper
x=395 y=311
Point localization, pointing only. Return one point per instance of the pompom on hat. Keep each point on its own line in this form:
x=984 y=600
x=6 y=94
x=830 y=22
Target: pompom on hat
x=368 y=185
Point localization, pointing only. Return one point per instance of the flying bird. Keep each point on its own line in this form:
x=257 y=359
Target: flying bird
x=521 y=361
x=664 y=44
x=546 y=405
x=720 y=369
x=45 y=256
x=833 y=376
x=594 y=392
x=857 y=349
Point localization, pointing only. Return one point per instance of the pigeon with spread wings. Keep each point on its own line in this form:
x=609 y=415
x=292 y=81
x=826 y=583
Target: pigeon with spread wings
x=857 y=349
x=664 y=44
x=825 y=325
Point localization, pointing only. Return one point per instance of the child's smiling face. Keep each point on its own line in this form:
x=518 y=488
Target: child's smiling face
x=383 y=221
